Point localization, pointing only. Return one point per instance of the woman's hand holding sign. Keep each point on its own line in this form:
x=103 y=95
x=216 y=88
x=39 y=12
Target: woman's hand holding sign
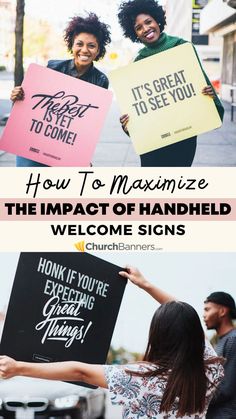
x=8 y=367
x=17 y=94
x=124 y=119
x=208 y=91
x=137 y=278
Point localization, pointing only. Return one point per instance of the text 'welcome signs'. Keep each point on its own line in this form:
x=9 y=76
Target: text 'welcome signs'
x=163 y=96
x=59 y=121
x=63 y=306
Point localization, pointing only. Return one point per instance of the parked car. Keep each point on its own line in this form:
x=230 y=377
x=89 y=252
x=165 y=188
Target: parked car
x=47 y=399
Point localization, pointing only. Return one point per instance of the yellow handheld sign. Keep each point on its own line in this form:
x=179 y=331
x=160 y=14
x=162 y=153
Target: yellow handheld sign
x=162 y=95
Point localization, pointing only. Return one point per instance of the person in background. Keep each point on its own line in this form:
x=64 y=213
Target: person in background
x=86 y=39
x=219 y=312
x=177 y=377
x=143 y=21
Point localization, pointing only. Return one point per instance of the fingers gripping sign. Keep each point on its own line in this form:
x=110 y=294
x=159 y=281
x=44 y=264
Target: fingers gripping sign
x=134 y=276
x=138 y=279
x=124 y=119
x=208 y=91
x=17 y=94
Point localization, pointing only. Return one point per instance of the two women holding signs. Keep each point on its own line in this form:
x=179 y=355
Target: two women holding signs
x=177 y=377
x=142 y=21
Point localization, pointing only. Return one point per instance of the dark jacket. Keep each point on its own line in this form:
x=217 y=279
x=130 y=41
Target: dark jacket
x=92 y=75
x=223 y=404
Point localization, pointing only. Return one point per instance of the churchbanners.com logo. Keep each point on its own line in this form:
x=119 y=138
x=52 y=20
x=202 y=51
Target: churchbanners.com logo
x=82 y=246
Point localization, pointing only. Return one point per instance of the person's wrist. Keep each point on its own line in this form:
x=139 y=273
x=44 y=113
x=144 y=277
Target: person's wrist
x=144 y=284
x=19 y=368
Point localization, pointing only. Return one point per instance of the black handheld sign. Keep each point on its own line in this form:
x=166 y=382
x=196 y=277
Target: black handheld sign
x=63 y=306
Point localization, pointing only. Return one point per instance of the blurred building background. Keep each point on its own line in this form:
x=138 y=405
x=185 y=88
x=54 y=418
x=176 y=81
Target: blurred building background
x=210 y=24
x=7 y=27
x=219 y=19
x=184 y=20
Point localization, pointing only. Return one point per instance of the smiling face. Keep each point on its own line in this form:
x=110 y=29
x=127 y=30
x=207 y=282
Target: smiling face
x=85 y=49
x=146 y=29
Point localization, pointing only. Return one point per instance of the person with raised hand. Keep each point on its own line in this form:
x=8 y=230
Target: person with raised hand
x=177 y=377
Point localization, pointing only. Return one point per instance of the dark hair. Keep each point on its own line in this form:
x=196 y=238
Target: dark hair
x=176 y=345
x=129 y=10
x=92 y=25
x=224 y=299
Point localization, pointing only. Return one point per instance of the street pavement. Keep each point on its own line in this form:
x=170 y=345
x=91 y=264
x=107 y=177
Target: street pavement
x=115 y=149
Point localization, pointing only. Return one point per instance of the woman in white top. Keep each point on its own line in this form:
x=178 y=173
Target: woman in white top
x=177 y=377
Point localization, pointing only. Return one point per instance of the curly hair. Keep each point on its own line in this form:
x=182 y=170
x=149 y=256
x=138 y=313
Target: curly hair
x=92 y=25
x=129 y=10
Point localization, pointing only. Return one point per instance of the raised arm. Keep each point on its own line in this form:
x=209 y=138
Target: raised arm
x=138 y=279
x=68 y=371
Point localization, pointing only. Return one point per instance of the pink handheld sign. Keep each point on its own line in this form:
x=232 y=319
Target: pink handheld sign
x=59 y=121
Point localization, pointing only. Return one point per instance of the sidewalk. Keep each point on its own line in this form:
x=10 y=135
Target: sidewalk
x=115 y=149
x=218 y=147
